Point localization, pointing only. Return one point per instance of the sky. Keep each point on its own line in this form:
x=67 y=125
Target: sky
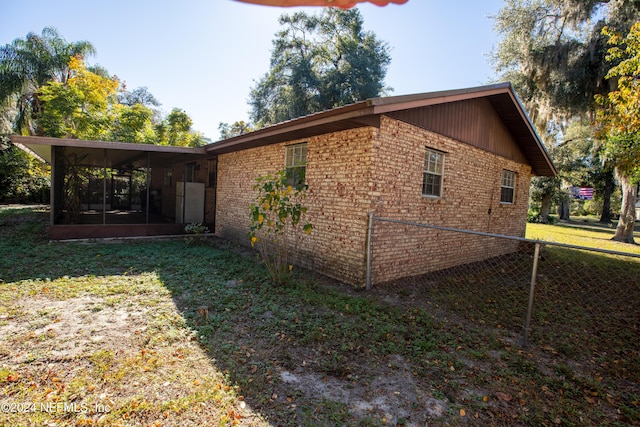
x=204 y=56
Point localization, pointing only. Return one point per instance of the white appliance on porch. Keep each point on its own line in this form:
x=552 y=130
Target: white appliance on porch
x=191 y=205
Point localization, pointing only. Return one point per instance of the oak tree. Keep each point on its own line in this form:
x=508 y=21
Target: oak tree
x=554 y=54
x=319 y=62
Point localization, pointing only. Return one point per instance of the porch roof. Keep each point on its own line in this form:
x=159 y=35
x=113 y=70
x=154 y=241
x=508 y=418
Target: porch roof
x=109 y=154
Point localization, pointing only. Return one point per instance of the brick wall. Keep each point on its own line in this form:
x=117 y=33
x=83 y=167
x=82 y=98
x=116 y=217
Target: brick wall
x=353 y=172
x=338 y=170
x=470 y=200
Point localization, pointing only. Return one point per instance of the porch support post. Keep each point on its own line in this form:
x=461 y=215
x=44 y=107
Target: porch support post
x=52 y=192
x=58 y=171
x=104 y=188
x=147 y=184
x=184 y=189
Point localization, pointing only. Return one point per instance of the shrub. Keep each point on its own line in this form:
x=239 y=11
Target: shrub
x=276 y=223
x=196 y=233
x=533 y=216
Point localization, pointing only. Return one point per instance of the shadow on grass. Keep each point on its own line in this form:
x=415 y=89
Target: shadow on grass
x=584 y=318
x=314 y=352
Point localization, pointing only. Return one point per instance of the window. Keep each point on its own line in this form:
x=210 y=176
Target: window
x=433 y=173
x=508 y=186
x=296 y=164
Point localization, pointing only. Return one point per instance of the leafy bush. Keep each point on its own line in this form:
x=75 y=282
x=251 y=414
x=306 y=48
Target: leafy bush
x=533 y=216
x=23 y=178
x=276 y=223
x=196 y=231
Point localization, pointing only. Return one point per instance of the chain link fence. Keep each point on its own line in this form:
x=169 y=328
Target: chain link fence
x=562 y=298
x=571 y=314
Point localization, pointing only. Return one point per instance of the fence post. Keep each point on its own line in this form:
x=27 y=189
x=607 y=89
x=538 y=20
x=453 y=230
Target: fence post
x=534 y=274
x=369 y=251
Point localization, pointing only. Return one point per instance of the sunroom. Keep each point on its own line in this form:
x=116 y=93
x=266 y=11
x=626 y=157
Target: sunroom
x=115 y=189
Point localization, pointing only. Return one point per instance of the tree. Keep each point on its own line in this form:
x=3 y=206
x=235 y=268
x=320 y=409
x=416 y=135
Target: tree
x=319 y=62
x=86 y=106
x=175 y=129
x=81 y=106
x=345 y=4
x=230 y=130
x=543 y=191
x=619 y=120
x=25 y=66
x=133 y=124
x=22 y=177
x=28 y=64
x=554 y=54
x=140 y=96
x=574 y=160
x=603 y=181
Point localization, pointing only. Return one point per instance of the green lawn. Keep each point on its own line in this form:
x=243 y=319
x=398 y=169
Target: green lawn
x=589 y=234
x=161 y=332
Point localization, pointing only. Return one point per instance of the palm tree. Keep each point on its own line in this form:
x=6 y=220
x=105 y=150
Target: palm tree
x=28 y=64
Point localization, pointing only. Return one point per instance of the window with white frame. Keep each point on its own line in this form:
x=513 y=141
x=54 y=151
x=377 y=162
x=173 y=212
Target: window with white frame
x=433 y=173
x=507 y=187
x=296 y=164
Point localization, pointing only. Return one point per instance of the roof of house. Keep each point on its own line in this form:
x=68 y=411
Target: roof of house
x=367 y=113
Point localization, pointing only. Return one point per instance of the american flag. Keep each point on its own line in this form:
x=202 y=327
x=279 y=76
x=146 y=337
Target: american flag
x=584 y=193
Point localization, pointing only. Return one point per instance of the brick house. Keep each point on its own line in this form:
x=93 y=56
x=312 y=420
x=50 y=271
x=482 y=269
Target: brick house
x=460 y=158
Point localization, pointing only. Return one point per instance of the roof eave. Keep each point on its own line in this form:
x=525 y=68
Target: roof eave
x=40 y=147
x=361 y=114
x=534 y=134
x=405 y=102
x=65 y=142
x=352 y=112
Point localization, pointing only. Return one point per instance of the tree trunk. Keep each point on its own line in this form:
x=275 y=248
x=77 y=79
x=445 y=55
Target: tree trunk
x=624 y=231
x=564 y=208
x=609 y=185
x=545 y=206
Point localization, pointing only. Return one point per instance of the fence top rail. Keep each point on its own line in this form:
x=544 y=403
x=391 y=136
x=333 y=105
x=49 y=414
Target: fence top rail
x=504 y=236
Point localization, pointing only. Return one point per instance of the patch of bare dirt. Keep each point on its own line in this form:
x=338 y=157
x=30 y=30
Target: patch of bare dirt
x=126 y=363
x=392 y=394
x=79 y=325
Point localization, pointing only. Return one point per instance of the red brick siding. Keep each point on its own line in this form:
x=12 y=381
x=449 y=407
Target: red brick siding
x=354 y=172
x=338 y=170
x=471 y=188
